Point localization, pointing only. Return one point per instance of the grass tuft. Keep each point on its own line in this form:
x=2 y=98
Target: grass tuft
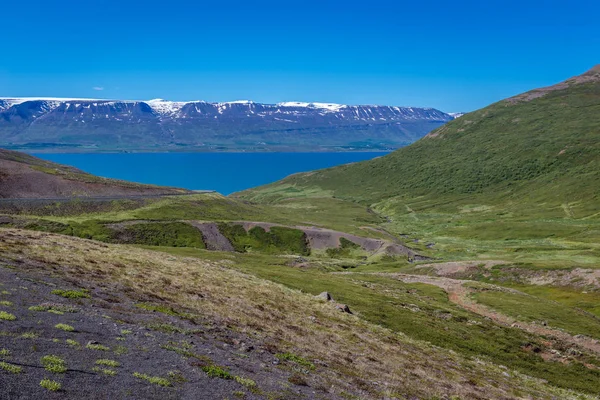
x=54 y=364
x=50 y=385
x=108 y=363
x=10 y=368
x=64 y=327
x=156 y=380
x=72 y=294
x=99 y=347
x=296 y=359
x=214 y=371
x=4 y=316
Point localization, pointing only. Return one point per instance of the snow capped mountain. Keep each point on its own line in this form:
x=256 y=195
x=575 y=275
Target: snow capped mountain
x=158 y=123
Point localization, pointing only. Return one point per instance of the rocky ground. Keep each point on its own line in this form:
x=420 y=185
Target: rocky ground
x=149 y=352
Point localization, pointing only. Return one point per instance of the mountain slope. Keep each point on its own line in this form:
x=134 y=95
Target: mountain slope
x=25 y=176
x=53 y=123
x=542 y=146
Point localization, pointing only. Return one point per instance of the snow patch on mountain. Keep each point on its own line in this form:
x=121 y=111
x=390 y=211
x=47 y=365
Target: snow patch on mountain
x=165 y=107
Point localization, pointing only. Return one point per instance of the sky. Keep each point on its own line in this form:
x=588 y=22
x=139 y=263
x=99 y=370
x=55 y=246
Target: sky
x=454 y=56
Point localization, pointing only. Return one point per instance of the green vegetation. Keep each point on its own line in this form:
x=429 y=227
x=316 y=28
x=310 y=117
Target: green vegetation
x=105 y=371
x=345 y=249
x=516 y=181
x=176 y=376
x=4 y=353
x=390 y=303
x=4 y=316
x=97 y=346
x=531 y=309
x=64 y=327
x=50 y=385
x=5 y=303
x=214 y=371
x=54 y=364
x=71 y=342
x=278 y=240
x=54 y=308
x=176 y=234
x=249 y=383
x=155 y=380
x=72 y=294
x=10 y=368
x=108 y=363
x=296 y=359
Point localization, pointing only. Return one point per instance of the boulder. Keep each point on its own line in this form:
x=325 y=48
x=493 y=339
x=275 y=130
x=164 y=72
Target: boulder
x=325 y=296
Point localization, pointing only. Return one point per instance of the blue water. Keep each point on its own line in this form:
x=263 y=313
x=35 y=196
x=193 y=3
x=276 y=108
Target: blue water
x=224 y=172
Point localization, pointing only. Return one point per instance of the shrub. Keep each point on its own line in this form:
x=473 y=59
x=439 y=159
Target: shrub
x=214 y=371
x=108 y=363
x=95 y=346
x=13 y=369
x=156 y=380
x=54 y=364
x=296 y=359
x=71 y=294
x=50 y=385
x=64 y=327
x=7 y=316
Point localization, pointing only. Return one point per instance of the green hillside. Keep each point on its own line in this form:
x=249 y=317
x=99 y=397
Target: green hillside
x=518 y=180
x=518 y=148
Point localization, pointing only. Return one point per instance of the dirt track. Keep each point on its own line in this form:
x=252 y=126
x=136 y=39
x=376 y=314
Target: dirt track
x=459 y=294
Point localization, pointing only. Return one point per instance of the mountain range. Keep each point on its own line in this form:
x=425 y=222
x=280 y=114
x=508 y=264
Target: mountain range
x=55 y=124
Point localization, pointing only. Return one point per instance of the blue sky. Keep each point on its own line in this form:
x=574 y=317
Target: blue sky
x=455 y=56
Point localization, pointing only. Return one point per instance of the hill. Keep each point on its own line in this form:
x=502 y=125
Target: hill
x=54 y=124
x=542 y=146
x=25 y=176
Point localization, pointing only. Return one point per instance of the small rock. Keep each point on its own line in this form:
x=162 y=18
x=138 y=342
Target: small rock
x=92 y=342
x=344 y=308
x=247 y=349
x=325 y=296
x=573 y=352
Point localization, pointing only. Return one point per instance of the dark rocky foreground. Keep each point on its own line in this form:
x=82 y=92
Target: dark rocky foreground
x=143 y=335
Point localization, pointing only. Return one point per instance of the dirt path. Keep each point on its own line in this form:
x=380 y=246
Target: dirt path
x=213 y=238
x=454 y=267
x=459 y=294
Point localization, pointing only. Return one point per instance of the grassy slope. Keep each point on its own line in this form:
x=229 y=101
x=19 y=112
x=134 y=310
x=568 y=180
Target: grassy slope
x=518 y=180
x=547 y=148
x=345 y=350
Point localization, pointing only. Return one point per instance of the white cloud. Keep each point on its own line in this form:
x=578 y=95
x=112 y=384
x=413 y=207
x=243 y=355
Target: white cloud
x=98 y=88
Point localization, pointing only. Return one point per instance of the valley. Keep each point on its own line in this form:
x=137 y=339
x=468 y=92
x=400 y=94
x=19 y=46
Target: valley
x=464 y=266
